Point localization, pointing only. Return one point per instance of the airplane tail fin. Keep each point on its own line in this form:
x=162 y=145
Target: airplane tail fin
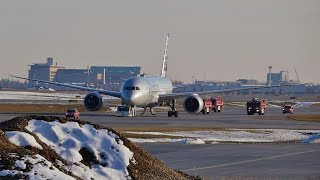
x=165 y=58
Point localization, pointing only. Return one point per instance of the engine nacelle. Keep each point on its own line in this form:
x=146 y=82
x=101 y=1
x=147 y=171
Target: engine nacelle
x=193 y=104
x=93 y=101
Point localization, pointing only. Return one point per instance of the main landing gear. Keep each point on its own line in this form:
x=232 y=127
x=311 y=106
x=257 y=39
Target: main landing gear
x=173 y=111
x=145 y=109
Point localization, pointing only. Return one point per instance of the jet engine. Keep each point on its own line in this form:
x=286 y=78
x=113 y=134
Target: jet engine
x=193 y=104
x=93 y=101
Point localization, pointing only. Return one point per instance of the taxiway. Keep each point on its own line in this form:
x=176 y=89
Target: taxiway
x=282 y=161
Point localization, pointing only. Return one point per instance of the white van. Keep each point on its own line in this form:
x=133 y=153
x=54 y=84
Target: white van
x=123 y=111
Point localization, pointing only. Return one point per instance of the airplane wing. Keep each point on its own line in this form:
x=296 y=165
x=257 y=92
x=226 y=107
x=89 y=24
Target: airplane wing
x=163 y=97
x=105 y=92
x=185 y=85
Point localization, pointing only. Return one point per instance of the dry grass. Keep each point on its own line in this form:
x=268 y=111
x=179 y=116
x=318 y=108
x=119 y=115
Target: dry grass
x=150 y=136
x=169 y=129
x=313 y=118
x=42 y=108
x=315 y=105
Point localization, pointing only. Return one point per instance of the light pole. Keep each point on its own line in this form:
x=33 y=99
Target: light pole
x=270 y=68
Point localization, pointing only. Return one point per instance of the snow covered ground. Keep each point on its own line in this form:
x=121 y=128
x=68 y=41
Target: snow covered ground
x=231 y=135
x=68 y=140
x=44 y=95
x=22 y=139
x=41 y=169
x=25 y=95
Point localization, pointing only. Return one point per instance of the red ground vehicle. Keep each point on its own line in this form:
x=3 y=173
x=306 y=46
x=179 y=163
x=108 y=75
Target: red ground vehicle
x=256 y=106
x=72 y=113
x=217 y=104
x=287 y=109
x=207 y=106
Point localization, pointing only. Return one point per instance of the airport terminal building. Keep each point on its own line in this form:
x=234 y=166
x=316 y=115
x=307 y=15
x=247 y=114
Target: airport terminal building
x=108 y=77
x=44 y=71
x=111 y=77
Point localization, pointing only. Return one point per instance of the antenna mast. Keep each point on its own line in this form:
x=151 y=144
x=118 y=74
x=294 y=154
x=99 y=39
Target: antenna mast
x=297 y=74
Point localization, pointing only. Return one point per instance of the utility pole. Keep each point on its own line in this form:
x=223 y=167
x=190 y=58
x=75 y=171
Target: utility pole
x=297 y=74
x=104 y=76
x=88 y=73
x=270 y=68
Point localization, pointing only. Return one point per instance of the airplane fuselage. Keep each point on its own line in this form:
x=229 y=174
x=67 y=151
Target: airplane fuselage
x=144 y=91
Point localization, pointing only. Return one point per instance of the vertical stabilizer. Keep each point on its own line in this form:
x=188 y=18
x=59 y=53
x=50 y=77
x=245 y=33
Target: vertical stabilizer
x=165 y=58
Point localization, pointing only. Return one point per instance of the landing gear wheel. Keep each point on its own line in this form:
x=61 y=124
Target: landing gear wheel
x=173 y=111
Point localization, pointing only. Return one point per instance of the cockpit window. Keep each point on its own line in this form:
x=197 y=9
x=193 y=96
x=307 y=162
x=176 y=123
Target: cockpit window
x=131 y=88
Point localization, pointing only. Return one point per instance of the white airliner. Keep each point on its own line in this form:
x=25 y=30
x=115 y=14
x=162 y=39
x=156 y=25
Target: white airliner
x=147 y=92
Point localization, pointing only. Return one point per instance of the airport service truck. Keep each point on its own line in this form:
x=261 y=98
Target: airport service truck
x=124 y=111
x=207 y=106
x=256 y=106
x=217 y=104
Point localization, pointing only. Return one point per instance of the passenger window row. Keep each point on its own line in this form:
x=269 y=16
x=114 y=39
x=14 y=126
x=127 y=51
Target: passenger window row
x=131 y=88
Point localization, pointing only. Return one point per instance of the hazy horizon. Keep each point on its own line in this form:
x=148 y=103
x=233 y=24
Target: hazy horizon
x=209 y=39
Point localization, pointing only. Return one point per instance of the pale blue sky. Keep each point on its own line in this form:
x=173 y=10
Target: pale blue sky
x=221 y=40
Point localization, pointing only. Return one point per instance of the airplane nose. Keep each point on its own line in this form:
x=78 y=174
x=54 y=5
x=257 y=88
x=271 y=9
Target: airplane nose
x=131 y=99
x=134 y=99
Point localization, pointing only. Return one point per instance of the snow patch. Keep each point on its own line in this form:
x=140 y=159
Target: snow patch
x=68 y=139
x=25 y=95
x=304 y=104
x=232 y=135
x=154 y=140
x=22 y=139
x=43 y=169
x=9 y=172
x=313 y=139
x=192 y=141
x=20 y=164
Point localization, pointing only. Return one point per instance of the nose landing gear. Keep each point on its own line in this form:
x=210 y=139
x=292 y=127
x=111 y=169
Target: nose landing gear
x=133 y=111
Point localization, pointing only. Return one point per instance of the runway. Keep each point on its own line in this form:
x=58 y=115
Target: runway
x=253 y=161
x=211 y=161
x=232 y=117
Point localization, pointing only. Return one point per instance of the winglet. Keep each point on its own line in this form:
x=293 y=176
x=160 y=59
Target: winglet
x=165 y=58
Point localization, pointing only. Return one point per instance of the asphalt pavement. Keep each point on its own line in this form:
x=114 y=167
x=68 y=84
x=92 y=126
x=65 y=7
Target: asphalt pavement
x=237 y=161
x=223 y=161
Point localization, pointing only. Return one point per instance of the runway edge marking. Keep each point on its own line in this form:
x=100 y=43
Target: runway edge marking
x=248 y=161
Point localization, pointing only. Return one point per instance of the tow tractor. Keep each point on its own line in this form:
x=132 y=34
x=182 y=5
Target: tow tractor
x=256 y=106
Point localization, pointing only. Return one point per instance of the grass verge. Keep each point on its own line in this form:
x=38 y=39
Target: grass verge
x=43 y=108
x=313 y=118
x=170 y=129
x=151 y=136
